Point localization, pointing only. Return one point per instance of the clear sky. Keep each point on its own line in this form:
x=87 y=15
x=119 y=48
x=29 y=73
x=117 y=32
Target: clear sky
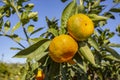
x=51 y=9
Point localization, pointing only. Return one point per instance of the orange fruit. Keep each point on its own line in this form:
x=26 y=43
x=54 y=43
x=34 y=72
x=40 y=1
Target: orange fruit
x=62 y=48
x=80 y=27
x=40 y=75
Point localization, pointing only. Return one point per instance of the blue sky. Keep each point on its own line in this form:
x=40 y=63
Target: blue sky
x=51 y=9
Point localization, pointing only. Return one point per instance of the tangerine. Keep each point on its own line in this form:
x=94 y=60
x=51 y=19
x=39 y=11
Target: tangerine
x=80 y=27
x=40 y=75
x=62 y=48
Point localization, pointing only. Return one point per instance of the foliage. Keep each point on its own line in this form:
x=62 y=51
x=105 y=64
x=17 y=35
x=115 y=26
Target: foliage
x=10 y=71
x=96 y=57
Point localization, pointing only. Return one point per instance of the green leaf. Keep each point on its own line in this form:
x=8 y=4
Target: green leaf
x=29 y=6
x=110 y=57
x=86 y=53
x=7 y=26
x=1 y=24
x=15 y=48
x=37 y=30
x=114 y=45
x=112 y=51
x=52 y=73
x=53 y=31
x=34 y=50
x=64 y=1
x=24 y=18
x=40 y=55
x=96 y=17
x=34 y=40
x=1 y=15
x=93 y=43
x=67 y=12
x=96 y=3
x=32 y=15
x=17 y=39
x=8 y=12
x=15 y=27
x=109 y=15
x=30 y=28
x=115 y=10
x=116 y=1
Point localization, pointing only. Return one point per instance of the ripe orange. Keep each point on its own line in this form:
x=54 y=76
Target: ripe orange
x=62 y=48
x=40 y=75
x=80 y=27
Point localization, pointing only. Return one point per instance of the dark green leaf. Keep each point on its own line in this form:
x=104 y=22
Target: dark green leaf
x=8 y=12
x=115 y=10
x=34 y=49
x=64 y=1
x=67 y=12
x=1 y=24
x=52 y=73
x=93 y=43
x=37 y=30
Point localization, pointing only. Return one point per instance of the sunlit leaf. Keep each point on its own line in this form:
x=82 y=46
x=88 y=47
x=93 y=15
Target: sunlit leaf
x=96 y=3
x=67 y=12
x=114 y=45
x=112 y=51
x=30 y=28
x=34 y=40
x=53 y=31
x=93 y=43
x=16 y=27
x=110 y=57
x=95 y=17
x=32 y=14
x=86 y=52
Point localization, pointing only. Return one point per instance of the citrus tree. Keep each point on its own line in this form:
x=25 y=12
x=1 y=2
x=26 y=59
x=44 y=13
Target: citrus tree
x=77 y=49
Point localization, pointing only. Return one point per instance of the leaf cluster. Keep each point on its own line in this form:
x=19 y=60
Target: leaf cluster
x=96 y=57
